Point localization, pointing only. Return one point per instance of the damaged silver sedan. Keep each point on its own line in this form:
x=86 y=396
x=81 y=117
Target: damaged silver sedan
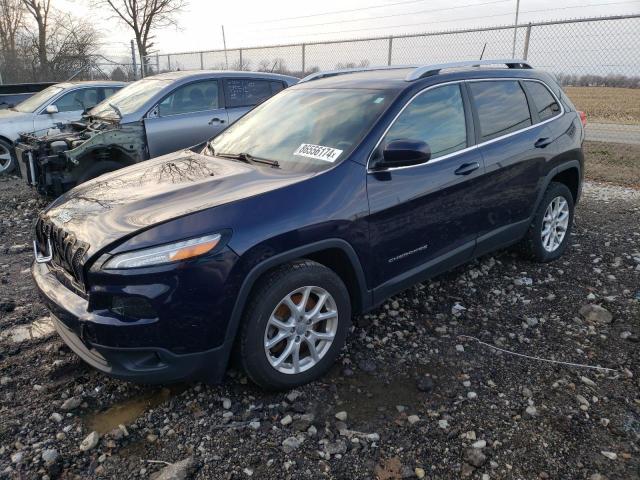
x=149 y=118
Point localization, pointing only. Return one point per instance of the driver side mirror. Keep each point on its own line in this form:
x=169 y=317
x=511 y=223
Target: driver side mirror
x=404 y=153
x=51 y=109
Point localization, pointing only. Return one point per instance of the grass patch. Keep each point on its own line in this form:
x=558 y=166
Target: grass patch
x=616 y=163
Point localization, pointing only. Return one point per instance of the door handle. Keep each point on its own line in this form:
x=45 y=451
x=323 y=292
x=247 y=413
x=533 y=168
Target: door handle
x=467 y=168
x=542 y=142
x=215 y=120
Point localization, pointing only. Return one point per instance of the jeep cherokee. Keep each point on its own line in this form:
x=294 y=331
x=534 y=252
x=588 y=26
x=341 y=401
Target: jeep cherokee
x=317 y=205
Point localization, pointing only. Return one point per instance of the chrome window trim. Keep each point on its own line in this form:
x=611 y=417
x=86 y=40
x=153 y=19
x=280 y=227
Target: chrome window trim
x=472 y=147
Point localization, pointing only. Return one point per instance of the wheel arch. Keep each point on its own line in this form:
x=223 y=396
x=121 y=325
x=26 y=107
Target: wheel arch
x=8 y=140
x=569 y=176
x=322 y=252
x=121 y=156
x=567 y=171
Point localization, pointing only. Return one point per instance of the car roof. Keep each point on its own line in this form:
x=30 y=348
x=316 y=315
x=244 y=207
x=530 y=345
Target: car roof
x=374 y=79
x=196 y=74
x=406 y=77
x=88 y=83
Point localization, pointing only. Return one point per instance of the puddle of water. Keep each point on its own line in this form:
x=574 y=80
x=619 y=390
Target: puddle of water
x=127 y=411
x=367 y=397
x=38 y=329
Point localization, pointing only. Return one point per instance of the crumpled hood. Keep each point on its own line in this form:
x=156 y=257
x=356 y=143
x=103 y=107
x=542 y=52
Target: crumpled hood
x=131 y=199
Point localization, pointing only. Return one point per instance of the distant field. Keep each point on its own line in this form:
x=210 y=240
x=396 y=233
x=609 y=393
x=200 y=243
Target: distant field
x=607 y=104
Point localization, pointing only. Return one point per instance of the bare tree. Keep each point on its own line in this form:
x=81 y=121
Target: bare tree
x=39 y=10
x=11 y=16
x=72 y=44
x=144 y=17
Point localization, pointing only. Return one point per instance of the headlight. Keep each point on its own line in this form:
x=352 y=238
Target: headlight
x=163 y=254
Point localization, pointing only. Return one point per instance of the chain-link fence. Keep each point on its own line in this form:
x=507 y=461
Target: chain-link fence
x=601 y=53
x=65 y=68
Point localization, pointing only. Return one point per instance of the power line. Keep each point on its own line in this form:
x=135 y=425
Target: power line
x=418 y=12
x=337 y=11
x=454 y=20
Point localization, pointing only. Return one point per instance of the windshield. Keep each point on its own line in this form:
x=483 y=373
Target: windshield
x=304 y=130
x=34 y=102
x=129 y=99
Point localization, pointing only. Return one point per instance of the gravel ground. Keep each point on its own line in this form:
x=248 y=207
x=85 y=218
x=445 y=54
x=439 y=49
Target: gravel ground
x=411 y=397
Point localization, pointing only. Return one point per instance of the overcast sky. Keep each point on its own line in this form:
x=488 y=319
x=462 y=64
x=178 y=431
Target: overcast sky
x=265 y=22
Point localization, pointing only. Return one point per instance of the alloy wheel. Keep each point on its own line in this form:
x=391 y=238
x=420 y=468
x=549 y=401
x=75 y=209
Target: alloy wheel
x=301 y=330
x=5 y=158
x=555 y=224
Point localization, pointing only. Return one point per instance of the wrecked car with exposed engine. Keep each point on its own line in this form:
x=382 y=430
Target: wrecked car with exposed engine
x=149 y=118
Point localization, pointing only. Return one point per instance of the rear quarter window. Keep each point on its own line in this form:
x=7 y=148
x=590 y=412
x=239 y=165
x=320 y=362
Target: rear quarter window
x=502 y=107
x=545 y=103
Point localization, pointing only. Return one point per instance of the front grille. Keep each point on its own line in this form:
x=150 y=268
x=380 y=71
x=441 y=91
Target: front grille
x=68 y=251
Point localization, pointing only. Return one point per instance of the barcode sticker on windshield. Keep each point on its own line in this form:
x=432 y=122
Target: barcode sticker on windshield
x=318 y=152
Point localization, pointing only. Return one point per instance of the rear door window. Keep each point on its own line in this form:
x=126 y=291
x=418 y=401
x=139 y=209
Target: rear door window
x=276 y=87
x=108 y=91
x=545 y=103
x=78 y=100
x=502 y=107
x=436 y=117
x=247 y=92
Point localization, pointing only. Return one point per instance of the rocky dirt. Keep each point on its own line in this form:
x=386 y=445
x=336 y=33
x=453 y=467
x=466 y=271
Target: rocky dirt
x=413 y=395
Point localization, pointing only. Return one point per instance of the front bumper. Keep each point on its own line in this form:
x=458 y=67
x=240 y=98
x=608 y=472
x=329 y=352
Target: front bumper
x=77 y=327
x=48 y=177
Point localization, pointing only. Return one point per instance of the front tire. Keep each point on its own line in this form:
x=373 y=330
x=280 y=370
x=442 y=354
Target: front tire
x=296 y=322
x=548 y=236
x=7 y=157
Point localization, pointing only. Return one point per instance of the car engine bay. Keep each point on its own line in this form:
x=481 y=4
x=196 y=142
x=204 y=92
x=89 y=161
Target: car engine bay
x=56 y=159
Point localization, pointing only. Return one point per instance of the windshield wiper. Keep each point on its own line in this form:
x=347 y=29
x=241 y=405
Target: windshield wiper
x=116 y=109
x=248 y=158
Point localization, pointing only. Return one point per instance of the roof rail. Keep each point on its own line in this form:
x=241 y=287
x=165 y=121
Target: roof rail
x=419 y=71
x=426 y=70
x=333 y=73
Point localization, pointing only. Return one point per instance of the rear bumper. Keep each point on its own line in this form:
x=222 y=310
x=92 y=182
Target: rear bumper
x=152 y=365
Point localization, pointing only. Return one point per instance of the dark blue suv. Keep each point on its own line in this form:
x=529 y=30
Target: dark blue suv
x=317 y=205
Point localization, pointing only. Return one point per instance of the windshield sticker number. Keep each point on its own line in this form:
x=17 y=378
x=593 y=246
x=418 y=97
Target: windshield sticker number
x=318 y=152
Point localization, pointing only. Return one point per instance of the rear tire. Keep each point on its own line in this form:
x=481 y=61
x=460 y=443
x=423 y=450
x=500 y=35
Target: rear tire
x=549 y=232
x=295 y=324
x=7 y=157
x=98 y=169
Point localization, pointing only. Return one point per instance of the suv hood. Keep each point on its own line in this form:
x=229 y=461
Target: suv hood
x=131 y=199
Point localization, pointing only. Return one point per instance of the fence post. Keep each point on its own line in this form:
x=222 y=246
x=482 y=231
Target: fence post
x=201 y=61
x=304 y=57
x=157 y=63
x=133 y=61
x=526 y=42
x=169 y=61
x=390 y=50
x=241 y=62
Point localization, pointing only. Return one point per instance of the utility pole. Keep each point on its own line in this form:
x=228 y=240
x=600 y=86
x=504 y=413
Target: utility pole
x=224 y=43
x=133 y=61
x=515 y=30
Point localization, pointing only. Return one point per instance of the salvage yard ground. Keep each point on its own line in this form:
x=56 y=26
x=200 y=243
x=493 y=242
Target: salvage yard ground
x=413 y=395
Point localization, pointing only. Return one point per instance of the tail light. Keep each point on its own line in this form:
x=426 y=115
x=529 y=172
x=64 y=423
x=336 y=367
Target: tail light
x=583 y=118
